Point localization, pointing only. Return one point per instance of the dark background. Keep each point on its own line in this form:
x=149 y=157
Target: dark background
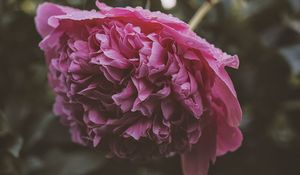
x=264 y=33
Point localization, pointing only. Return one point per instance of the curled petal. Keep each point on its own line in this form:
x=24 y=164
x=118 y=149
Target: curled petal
x=125 y=99
x=44 y=12
x=138 y=129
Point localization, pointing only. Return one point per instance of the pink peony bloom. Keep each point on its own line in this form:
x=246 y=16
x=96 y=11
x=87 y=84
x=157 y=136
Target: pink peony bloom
x=139 y=84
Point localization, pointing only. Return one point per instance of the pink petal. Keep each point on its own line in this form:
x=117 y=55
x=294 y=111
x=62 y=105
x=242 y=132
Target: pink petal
x=145 y=15
x=143 y=87
x=233 y=109
x=138 y=129
x=167 y=108
x=49 y=15
x=196 y=161
x=228 y=138
x=157 y=55
x=125 y=98
x=44 y=12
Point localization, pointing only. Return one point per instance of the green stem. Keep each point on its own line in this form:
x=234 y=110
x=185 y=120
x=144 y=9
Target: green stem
x=201 y=13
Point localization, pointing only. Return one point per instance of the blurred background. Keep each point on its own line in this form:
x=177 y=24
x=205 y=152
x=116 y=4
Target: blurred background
x=264 y=33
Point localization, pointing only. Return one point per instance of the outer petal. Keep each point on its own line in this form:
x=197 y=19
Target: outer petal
x=196 y=162
x=233 y=112
x=228 y=112
x=228 y=138
x=75 y=15
x=49 y=15
x=44 y=12
x=144 y=14
x=217 y=60
x=179 y=30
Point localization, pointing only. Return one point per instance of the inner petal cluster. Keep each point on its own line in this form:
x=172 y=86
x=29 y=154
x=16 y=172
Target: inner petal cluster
x=132 y=93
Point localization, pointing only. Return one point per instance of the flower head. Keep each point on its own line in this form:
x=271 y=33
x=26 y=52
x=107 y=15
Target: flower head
x=139 y=84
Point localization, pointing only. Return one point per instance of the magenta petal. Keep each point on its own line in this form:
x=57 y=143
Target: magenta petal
x=164 y=92
x=191 y=56
x=44 y=12
x=74 y=67
x=93 y=116
x=157 y=55
x=96 y=117
x=117 y=60
x=102 y=6
x=228 y=138
x=194 y=105
x=48 y=16
x=145 y=15
x=196 y=161
x=145 y=107
x=139 y=129
x=125 y=99
x=233 y=109
x=167 y=108
x=143 y=87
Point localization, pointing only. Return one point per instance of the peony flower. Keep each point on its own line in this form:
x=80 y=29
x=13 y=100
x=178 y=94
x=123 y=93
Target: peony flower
x=138 y=84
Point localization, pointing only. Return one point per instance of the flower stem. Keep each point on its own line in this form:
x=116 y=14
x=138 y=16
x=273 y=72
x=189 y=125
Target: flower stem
x=201 y=13
x=148 y=4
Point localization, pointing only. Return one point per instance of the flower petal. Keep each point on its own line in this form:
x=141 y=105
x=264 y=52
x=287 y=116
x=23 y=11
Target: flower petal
x=196 y=161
